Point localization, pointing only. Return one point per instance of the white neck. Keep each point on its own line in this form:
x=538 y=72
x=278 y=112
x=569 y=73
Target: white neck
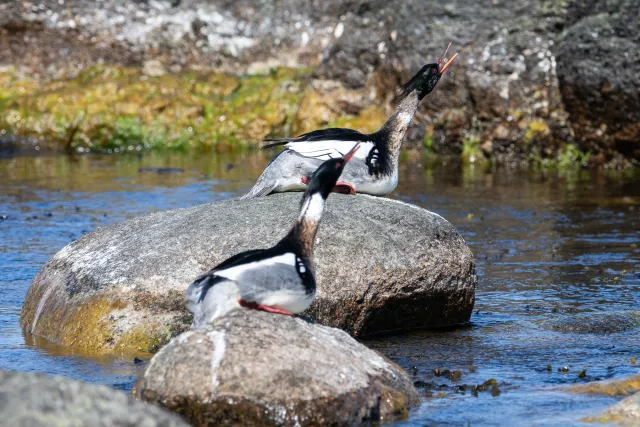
x=312 y=209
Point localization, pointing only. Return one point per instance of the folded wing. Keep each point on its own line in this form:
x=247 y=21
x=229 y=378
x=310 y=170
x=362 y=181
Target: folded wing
x=326 y=144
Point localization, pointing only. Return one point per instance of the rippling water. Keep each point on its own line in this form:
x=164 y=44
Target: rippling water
x=549 y=245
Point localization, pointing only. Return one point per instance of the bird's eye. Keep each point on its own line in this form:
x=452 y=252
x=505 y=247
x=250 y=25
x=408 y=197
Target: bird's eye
x=338 y=165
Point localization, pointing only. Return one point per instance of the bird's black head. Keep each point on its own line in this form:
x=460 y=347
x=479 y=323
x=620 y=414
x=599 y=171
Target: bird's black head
x=427 y=78
x=325 y=177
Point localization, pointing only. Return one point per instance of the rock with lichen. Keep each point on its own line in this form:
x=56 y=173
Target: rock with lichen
x=257 y=368
x=511 y=72
x=381 y=266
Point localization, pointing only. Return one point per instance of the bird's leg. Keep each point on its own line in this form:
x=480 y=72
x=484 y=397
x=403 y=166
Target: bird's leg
x=305 y=180
x=256 y=306
x=344 y=188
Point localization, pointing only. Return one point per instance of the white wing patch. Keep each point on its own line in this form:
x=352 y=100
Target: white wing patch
x=232 y=273
x=330 y=149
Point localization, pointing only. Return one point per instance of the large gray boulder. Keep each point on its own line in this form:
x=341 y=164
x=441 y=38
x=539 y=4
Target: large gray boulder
x=381 y=265
x=256 y=368
x=36 y=400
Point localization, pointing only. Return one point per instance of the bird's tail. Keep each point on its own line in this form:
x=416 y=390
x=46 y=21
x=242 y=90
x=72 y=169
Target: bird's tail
x=197 y=290
x=260 y=189
x=208 y=304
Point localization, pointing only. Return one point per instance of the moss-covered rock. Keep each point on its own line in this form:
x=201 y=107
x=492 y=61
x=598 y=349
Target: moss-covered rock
x=123 y=109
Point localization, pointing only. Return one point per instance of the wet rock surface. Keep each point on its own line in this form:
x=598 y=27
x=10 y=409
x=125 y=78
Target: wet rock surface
x=595 y=323
x=381 y=265
x=503 y=98
x=618 y=387
x=257 y=368
x=624 y=413
x=39 y=400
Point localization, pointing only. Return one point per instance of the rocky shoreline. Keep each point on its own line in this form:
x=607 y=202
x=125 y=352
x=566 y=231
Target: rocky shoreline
x=546 y=82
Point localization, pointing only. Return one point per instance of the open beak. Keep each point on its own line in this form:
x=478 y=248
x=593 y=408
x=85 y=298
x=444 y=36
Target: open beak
x=449 y=62
x=443 y=57
x=351 y=153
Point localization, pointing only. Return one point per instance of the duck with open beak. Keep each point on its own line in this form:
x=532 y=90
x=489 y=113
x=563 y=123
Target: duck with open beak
x=374 y=170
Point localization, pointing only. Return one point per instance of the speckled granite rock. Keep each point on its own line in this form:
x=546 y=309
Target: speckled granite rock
x=381 y=265
x=257 y=368
x=41 y=401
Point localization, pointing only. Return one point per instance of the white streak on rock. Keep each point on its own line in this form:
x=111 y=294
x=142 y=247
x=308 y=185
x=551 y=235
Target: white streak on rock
x=219 y=346
x=41 y=304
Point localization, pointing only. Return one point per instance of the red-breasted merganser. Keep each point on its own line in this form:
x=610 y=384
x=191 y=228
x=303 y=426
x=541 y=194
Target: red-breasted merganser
x=374 y=169
x=279 y=279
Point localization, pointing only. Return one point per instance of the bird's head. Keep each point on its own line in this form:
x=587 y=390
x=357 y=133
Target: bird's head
x=325 y=177
x=428 y=76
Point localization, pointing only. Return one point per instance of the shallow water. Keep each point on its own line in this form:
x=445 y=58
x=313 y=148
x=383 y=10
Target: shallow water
x=548 y=245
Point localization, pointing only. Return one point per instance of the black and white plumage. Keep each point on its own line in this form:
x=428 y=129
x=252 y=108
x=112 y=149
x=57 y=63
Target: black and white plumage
x=374 y=169
x=279 y=279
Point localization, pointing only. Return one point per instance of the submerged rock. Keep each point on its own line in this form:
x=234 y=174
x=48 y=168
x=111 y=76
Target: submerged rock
x=624 y=413
x=619 y=387
x=381 y=265
x=38 y=400
x=595 y=323
x=257 y=368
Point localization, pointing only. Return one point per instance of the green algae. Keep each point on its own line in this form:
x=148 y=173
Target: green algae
x=536 y=130
x=471 y=151
x=88 y=325
x=117 y=109
x=368 y=121
x=148 y=339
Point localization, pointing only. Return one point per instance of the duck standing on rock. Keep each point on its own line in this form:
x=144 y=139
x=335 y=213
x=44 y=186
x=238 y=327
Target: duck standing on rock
x=279 y=279
x=374 y=170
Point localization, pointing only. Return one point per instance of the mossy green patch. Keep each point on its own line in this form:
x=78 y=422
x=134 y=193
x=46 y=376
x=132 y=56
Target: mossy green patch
x=121 y=109
x=427 y=141
x=147 y=339
x=471 y=151
x=368 y=121
x=566 y=157
x=536 y=130
x=570 y=156
x=88 y=325
x=83 y=325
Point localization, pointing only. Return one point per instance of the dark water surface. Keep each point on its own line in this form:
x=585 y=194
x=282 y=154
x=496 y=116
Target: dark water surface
x=549 y=246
